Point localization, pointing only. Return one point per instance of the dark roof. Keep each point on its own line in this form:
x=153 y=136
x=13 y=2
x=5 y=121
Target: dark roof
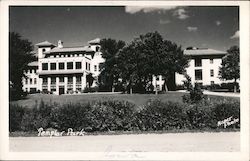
x=203 y=51
x=70 y=49
x=45 y=43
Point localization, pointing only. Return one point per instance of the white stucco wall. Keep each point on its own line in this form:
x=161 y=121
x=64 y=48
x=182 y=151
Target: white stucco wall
x=206 y=67
x=31 y=84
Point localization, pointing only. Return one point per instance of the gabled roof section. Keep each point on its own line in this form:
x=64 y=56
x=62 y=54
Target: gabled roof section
x=70 y=49
x=34 y=63
x=95 y=41
x=45 y=43
x=203 y=51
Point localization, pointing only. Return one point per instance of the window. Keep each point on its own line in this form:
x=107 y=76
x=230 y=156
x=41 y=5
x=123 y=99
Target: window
x=34 y=80
x=70 y=65
x=34 y=70
x=157 y=78
x=211 y=72
x=78 y=65
x=101 y=65
x=53 y=80
x=95 y=68
x=45 y=81
x=198 y=74
x=26 y=81
x=78 y=79
x=87 y=66
x=61 y=79
x=212 y=82
x=52 y=66
x=44 y=66
x=197 y=62
x=44 y=50
x=211 y=61
x=61 y=66
x=70 y=80
x=30 y=80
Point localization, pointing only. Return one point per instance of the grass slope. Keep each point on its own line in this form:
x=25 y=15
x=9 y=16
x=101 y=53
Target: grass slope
x=138 y=99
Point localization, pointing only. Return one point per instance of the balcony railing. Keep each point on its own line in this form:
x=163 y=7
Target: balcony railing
x=44 y=72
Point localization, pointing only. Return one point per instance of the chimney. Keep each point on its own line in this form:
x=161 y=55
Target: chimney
x=60 y=44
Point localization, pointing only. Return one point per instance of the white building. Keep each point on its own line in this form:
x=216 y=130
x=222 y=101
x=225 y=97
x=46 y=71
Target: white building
x=62 y=70
x=30 y=83
x=203 y=66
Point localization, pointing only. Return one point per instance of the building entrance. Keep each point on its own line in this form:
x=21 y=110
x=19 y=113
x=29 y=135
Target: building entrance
x=61 y=90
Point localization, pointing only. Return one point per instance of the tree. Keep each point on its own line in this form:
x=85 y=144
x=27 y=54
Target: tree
x=19 y=57
x=149 y=55
x=110 y=74
x=230 y=66
x=128 y=66
x=171 y=61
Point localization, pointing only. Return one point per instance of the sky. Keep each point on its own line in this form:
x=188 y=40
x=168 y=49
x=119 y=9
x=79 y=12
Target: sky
x=200 y=26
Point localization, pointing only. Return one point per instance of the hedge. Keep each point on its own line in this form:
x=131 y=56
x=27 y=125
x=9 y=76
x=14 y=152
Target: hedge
x=114 y=115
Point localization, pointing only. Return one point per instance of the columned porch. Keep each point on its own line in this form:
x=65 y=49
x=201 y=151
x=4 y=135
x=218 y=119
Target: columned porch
x=63 y=84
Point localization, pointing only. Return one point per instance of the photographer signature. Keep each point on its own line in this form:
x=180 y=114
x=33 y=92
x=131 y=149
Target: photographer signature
x=228 y=121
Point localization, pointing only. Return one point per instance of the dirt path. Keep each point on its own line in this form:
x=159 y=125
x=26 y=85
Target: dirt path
x=180 y=142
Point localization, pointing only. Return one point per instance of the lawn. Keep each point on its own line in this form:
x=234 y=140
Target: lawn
x=138 y=99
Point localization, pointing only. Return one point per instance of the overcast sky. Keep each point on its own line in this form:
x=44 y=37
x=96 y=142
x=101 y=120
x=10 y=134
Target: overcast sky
x=211 y=27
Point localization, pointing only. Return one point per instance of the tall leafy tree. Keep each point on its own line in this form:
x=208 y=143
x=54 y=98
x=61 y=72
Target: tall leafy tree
x=110 y=73
x=230 y=66
x=150 y=55
x=19 y=57
x=129 y=65
x=172 y=60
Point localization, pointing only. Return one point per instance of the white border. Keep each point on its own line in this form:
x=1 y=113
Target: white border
x=244 y=83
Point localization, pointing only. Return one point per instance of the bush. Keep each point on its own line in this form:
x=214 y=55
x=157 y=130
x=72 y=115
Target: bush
x=229 y=86
x=195 y=95
x=38 y=116
x=157 y=115
x=200 y=116
x=72 y=116
x=15 y=117
x=113 y=115
x=207 y=115
x=227 y=109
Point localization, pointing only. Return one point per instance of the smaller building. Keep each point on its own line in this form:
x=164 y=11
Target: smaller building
x=31 y=81
x=203 y=67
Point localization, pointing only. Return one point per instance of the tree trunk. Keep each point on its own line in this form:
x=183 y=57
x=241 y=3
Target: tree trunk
x=165 y=83
x=166 y=87
x=235 y=85
x=130 y=90
x=156 y=89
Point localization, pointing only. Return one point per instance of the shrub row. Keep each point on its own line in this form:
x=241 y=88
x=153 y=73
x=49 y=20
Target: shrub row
x=111 y=115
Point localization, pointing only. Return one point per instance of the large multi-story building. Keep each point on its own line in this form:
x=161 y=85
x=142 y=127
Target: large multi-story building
x=203 y=67
x=62 y=70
